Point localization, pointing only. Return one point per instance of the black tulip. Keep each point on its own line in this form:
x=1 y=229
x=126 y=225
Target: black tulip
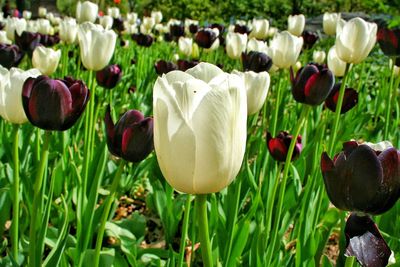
x=278 y=146
x=10 y=55
x=143 y=39
x=389 y=41
x=205 y=37
x=110 y=76
x=350 y=99
x=310 y=38
x=256 y=61
x=163 y=67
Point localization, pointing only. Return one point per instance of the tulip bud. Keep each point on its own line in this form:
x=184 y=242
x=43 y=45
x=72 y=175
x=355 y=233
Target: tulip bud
x=163 y=67
x=312 y=84
x=131 y=138
x=86 y=12
x=65 y=102
x=10 y=93
x=235 y=44
x=132 y=17
x=42 y=12
x=184 y=65
x=147 y=25
x=206 y=37
x=177 y=30
x=46 y=59
x=296 y=24
x=10 y=55
x=106 y=22
x=185 y=46
x=319 y=57
x=14 y=25
x=44 y=26
x=256 y=61
x=329 y=22
x=4 y=39
x=113 y=12
x=142 y=39
x=68 y=30
x=356 y=40
x=310 y=38
x=26 y=14
x=157 y=16
x=110 y=76
x=272 y=31
x=285 y=49
x=278 y=147
x=389 y=41
x=27 y=41
x=350 y=99
x=260 y=29
x=256 y=45
x=335 y=64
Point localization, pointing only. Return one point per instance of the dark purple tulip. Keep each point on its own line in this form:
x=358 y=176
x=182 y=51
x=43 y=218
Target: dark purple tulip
x=163 y=67
x=110 y=76
x=118 y=25
x=256 y=61
x=10 y=55
x=177 y=30
x=54 y=104
x=193 y=28
x=243 y=29
x=142 y=39
x=49 y=40
x=131 y=138
x=279 y=146
x=389 y=41
x=362 y=179
x=350 y=99
x=310 y=38
x=27 y=41
x=184 y=65
x=365 y=242
x=312 y=84
x=218 y=26
x=168 y=37
x=205 y=37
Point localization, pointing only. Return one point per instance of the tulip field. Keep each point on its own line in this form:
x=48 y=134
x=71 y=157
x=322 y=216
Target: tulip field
x=131 y=140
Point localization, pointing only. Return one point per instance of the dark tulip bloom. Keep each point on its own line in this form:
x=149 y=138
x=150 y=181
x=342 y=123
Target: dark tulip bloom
x=205 y=37
x=27 y=41
x=168 y=37
x=49 y=40
x=218 y=26
x=193 y=28
x=350 y=99
x=131 y=138
x=163 y=67
x=362 y=179
x=110 y=76
x=10 y=55
x=279 y=146
x=243 y=29
x=118 y=25
x=310 y=38
x=142 y=39
x=312 y=84
x=54 y=104
x=177 y=30
x=365 y=242
x=256 y=61
x=184 y=65
x=389 y=41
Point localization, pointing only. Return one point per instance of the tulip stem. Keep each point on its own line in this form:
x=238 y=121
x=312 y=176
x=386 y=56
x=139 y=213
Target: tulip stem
x=37 y=199
x=350 y=261
x=185 y=228
x=203 y=230
x=277 y=104
x=15 y=216
x=389 y=103
x=281 y=196
x=338 y=111
x=104 y=217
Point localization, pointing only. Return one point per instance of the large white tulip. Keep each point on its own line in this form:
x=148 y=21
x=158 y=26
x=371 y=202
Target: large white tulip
x=185 y=45
x=86 y=11
x=329 y=22
x=10 y=93
x=235 y=44
x=355 y=40
x=14 y=25
x=260 y=28
x=335 y=64
x=68 y=30
x=319 y=56
x=199 y=128
x=284 y=49
x=96 y=45
x=106 y=21
x=46 y=59
x=296 y=24
x=257 y=85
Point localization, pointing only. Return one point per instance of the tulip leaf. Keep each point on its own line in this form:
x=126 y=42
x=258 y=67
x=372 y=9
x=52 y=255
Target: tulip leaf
x=106 y=257
x=240 y=241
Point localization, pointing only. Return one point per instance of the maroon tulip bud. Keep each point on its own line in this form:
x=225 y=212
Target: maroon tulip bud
x=131 y=138
x=49 y=40
x=205 y=37
x=243 y=29
x=10 y=55
x=27 y=41
x=163 y=67
x=132 y=89
x=362 y=179
x=279 y=146
x=193 y=28
x=177 y=30
x=184 y=65
x=312 y=84
x=350 y=99
x=310 y=38
x=389 y=41
x=256 y=61
x=142 y=39
x=118 y=25
x=54 y=104
x=109 y=76
x=218 y=26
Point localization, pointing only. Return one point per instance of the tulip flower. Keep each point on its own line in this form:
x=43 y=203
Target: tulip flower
x=44 y=26
x=363 y=179
x=49 y=40
x=10 y=55
x=310 y=38
x=329 y=22
x=256 y=45
x=193 y=28
x=185 y=46
x=177 y=30
x=147 y=25
x=296 y=24
x=14 y=25
x=132 y=17
x=278 y=146
x=46 y=59
x=65 y=101
x=86 y=12
x=42 y=12
x=3 y=38
x=113 y=12
x=242 y=29
x=285 y=49
x=163 y=67
x=355 y=40
x=143 y=39
x=157 y=16
x=312 y=84
x=389 y=41
x=350 y=99
x=206 y=37
x=26 y=14
x=319 y=57
x=199 y=119
x=68 y=30
x=118 y=25
x=235 y=44
x=96 y=45
x=272 y=31
x=260 y=28
x=131 y=138
x=110 y=76
x=106 y=22
x=184 y=65
x=335 y=64
x=27 y=41
x=257 y=85
x=256 y=61
x=10 y=93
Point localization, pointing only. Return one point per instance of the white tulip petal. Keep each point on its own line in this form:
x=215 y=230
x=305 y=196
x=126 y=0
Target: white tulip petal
x=204 y=71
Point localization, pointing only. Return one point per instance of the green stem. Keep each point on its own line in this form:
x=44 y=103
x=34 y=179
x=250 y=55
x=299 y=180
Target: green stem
x=185 y=228
x=338 y=109
x=304 y=114
x=37 y=197
x=203 y=230
x=15 y=217
x=389 y=103
x=350 y=261
x=106 y=211
x=271 y=201
x=274 y=121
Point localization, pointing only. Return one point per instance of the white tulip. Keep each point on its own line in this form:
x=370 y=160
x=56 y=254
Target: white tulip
x=329 y=22
x=284 y=49
x=106 y=21
x=296 y=24
x=335 y=64
x=157 y=16
x=272 y=31
x=44 y=26
x=86 y=11
x=260 y=28
x=42 y=12
x=319 y=57
x=381 y=146
x=3 y=38
x=96 y=45
x=26 y=14
x=114 y=12
x=356 y=40
x=11 y=83
x=257 y=85
x=256 y=45
x=14 y=25
x=147 y=25
x=235 y=44
x=199 y=128
x=45 y=59
x=68 y=30
x=132 y=17
x=185 y=45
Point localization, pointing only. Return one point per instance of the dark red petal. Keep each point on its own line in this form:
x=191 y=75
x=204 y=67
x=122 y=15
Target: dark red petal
x=278 y=149
x=110 y=134
x=318 y=87
x=326 y=163
x=302 y=77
